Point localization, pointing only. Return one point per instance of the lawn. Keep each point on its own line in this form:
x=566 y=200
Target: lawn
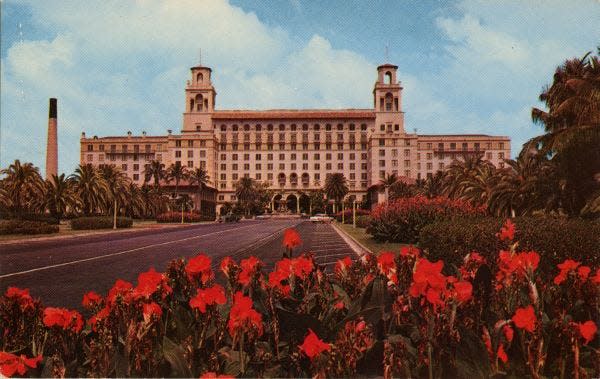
x=367 y=240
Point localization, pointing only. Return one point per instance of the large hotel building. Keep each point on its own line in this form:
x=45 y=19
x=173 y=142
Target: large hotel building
x=293 y=149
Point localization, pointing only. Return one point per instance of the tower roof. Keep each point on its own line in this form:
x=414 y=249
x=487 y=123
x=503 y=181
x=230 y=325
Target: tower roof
x=387 y=65
x=201 y=67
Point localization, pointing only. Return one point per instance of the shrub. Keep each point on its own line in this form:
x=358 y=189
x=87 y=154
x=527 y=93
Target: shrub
x=26 y=227
x=46 y=218
x=401 y=220
x=175 y=217
x=348 y=215
x=363 y=221
x=555 y=239
x=84 y=223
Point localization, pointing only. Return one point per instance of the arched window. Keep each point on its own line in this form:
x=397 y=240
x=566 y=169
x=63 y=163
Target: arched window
x=199 y=78
x=294 y=178
x=281 y=178
x=389 y=99
x=191 y=105
x=388 y=78
x=199 y=102
x=305 y=178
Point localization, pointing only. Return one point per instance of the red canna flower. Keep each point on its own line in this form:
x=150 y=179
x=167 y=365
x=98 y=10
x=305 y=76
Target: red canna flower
x=63 y=318
x=291 y=238
x=410 y=251
x=507 y=232
x=342 y=265
x=11 y=364
x=587 y=330
x=508 y=333
x=209 y=296
x=100 y=316
x=427 y=276
x=584 y=272
x=339 y=305
x=151 y=311
x=214 y=375
x=226 y=265
x=121 y=289
x=515 y=266
x=565 y=268
x=464 y=291
x=387 y=266
x=502 y=354
x=149 y=282
x=250 y=266
x=524 y=318
x=22 y=297
x=242 y=318
x=199 y=267
x=91 y=299
x=302 y=267
x=313 y=346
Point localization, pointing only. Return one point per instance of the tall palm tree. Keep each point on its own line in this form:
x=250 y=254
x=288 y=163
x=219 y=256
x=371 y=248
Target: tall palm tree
x=60 y=196
x=155 y=170
x=133 y=200
x=200 y=178
x=431 y=187
x=336 y=188
x=385 y=183
x=176 y=172
x=245 y=191
x=478 y=186
x=317 y=200
x=90 y=188
x=116 y=182
x=22 y=185
x=461 y=173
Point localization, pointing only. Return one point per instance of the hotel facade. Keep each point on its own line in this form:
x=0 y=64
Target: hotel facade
x=293 y=150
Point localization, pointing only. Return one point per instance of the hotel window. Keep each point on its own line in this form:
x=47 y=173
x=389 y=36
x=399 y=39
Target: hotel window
x=328 y=166
x=501 y=145
x=293 y=157
x=136 y=177
x=90 y=157
x=328 y=127
x=407 y=152
x=281 y=157
x=352 y=176
x=190 y=154
x=340 y=166
x=234 y=166
x=258 y=176
x=394 y=163
x=363 y=176
x=258 y=127
x=304 y=127
x=317 y=166
x=293 y=146
x=363 y=146
x=269 y=166
x=352 y=166
x=363 y=166
x=223 y=166
x=352 y=156
x=203 y=143
x=101 y=157
x=246 y=146
x=429 y=156
x=246 y=166
x=269 y=146
x=328 y=156
x=317 y=146
x=234 y=157
x=282 y=146
x=234 y=128
x=203 y=165
x=340 y=156
x=317 y=127
x=178 y=143
x=257 y=157
x=223 y=186
x=382 y=163
x=90 y=147
x=317 y=156
x=223 y=128
x=270 y=176
x=381 y=174
x=488 y=155
x=328 y=146
x=270 y=127
x=202 y=153
x=382 y=127
x=282 y=166
x=406 y=142
x=340 y=137
x=246 y=137
x=234 y=146
x=397 y=127
x=441 y=165
x=124 y=167
x=305 y=166
x=340 y=146
x=124 y=148
x=177 y=154
x=382 y=153
x=500 y=155
x=476 y=146
x=101 y=147
x=269 y=157
x=293 y=166
x=190 y=164
x=381 y=142
x=317 y=176
x=234 y=177
x=407 y=163
x=223 y=146
x=305 y=156
x=429 y=166
x=136 y=167
x=465 y=146
x=281 y=127
x=452 y=146
x=190 y=143
x=489 y=145
x=246 y=157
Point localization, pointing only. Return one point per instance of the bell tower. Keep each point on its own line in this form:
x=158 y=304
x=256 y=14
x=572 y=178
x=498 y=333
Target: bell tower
x=200 y=100
x=387 y=97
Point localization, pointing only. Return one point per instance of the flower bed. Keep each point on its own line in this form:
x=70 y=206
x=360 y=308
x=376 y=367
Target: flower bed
x=100 y=222
x=398 y=314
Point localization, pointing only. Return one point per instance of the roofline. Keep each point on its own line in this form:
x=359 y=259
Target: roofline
x=204 y=67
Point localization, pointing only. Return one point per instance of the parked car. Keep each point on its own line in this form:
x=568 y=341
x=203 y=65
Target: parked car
x=321 y=217
x=231 y=217
x=263 y=217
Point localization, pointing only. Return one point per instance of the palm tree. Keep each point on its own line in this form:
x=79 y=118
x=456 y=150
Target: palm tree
x=336 y=188
x=462 y=172
x=317 y=200
x=477 y=188
x=135 y=205
x=176 y=172
x=116 y=182
x=90 y=187
x=245 y=191
x=22 y=185
x=385 y=183
x=431 y=187
x=60 y=196
x=155 y=170
x=200 y=178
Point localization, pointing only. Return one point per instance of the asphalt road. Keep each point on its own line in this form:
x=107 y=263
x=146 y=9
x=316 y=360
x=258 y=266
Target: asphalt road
x=61 y=271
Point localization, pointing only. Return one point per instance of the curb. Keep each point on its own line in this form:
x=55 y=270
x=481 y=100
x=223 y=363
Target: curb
x=358 y=247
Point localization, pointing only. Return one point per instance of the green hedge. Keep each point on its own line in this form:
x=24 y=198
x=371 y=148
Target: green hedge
x=84 y=223
x=555 y=239
x=363 y=221
x=45 y=218
x=26 y=227
x=175 y=217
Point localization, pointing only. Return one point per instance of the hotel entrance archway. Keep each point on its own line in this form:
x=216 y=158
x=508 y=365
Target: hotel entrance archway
x=292 y=203
x=304 y=205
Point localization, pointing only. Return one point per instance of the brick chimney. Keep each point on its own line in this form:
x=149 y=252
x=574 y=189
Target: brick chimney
x=52 y=145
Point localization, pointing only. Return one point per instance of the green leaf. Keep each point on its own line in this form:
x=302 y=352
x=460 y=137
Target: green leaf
x=174 y=354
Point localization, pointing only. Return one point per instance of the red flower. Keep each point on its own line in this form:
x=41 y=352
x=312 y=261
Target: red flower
x=342 y=265
x=524 y=318
x=502 y=354
x=387 y=266
x=22 y=297
x=91 y=299
x=100 y=316
x=507 y=232
x=291 y=238
x=339 y=305
x=149 y=282
x=313 y=346
x=150 y=310
x=464 y=291
x=428 y=276
x=226 y=265
x=63 y=318
x=209 y=296
x=587 y=330
x=214 y=375
x=11 y=364
x=250 y=266
x=120 y=289
x=242 y=317
x=302 y=267
x=508 y=333
x=584 y=272
x=199 y=266
x=410 y=251
x=519 y=265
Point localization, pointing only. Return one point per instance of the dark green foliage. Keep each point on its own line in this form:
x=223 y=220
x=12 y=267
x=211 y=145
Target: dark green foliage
x=555 y=239
x=175 y=217
x=362 y=221
x=26 y=227
x=348 y=215
x=84 y=223
x=45 y=218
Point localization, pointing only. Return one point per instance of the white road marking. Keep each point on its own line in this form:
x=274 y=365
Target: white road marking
x=332 y=255
x=332 y=249
x=330 y=245
x=117 y=253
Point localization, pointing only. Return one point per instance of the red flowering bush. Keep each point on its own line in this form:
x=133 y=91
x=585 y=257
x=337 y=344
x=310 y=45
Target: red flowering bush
x=399 y=314
x=401 y=220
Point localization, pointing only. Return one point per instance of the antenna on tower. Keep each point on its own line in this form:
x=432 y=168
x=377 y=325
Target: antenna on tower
x=200 y=57
x=387 y=53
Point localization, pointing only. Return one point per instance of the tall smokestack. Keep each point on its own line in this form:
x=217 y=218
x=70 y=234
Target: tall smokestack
x=52 y=146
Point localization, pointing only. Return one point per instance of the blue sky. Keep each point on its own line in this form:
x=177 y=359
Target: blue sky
x=466 y=66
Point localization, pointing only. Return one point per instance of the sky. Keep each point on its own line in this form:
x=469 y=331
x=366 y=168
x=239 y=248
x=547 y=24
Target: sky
x=116 y=66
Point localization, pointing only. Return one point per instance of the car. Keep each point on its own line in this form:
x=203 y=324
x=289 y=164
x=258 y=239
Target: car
x=263 y=217
x=231 y=217
x=321 y=217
